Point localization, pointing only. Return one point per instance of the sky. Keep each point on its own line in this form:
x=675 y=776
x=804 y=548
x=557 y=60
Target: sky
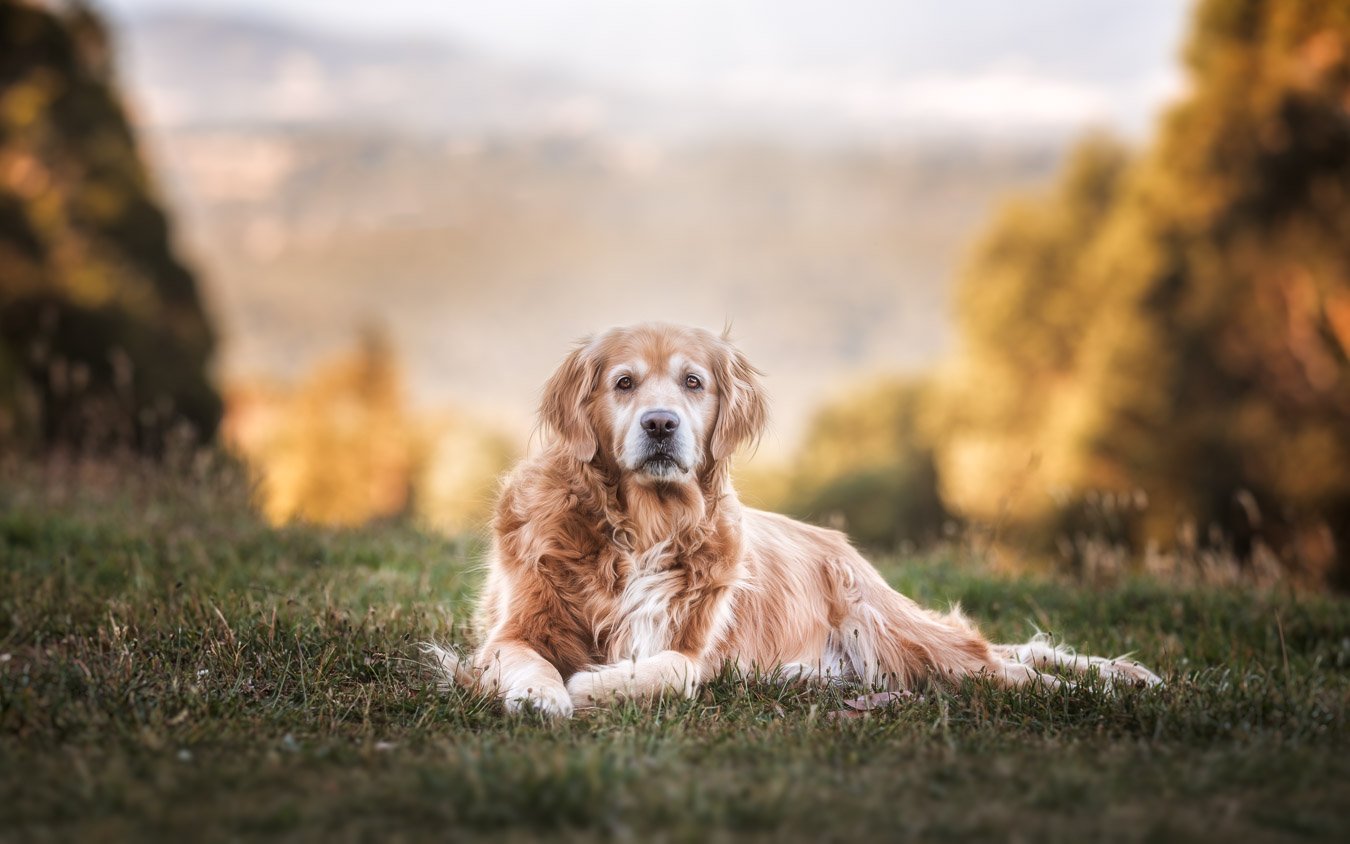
x=1054 y=64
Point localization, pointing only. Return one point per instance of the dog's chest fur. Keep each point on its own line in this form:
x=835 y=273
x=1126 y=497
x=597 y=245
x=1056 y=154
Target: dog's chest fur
x=648 y=606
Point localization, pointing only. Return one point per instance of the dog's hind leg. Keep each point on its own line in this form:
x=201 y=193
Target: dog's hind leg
x=832 y=666
x=891 y=642
x=1041 y=653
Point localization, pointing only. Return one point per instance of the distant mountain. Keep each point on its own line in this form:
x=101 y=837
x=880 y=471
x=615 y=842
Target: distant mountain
x=489 y=213
x=204 y=70
x=831 y=263
x=885 y=71
x=207 y=69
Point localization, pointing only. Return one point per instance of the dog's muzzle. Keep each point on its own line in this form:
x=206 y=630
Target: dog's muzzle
x=662 y=443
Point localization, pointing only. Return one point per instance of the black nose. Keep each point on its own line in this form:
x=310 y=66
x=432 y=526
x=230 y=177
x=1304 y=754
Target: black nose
x=660 y=424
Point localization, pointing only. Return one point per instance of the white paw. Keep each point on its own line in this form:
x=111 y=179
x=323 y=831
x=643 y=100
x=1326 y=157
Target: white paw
x=801 y=672
x=642 y=679
x=793 y=672
x=1127 y=671
x=588 y=689
x=548 y=699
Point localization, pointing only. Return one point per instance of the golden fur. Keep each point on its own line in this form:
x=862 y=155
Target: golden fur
x=623 y=564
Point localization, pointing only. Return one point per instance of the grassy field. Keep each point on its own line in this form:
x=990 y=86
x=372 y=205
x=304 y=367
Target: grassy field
x=171 y=667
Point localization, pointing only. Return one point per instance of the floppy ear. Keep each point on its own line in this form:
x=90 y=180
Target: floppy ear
x=742 y=411
x=563 y=408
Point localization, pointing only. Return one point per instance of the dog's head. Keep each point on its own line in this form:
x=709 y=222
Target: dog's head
x=664 y=402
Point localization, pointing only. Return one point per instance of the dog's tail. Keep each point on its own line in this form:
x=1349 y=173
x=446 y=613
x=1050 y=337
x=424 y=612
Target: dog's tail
x=891 y=642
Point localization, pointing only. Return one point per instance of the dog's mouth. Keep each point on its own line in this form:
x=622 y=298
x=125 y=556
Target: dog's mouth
x=662 y=464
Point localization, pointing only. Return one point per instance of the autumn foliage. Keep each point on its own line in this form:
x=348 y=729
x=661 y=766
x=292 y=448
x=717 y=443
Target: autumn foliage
x=344 y=446
x=1168 y=330
x=104 y=340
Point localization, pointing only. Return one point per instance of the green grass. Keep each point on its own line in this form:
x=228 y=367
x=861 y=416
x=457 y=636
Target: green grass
x=171 y=667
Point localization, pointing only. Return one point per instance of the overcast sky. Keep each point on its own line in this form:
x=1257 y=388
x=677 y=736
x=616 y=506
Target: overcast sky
x=1056 y=63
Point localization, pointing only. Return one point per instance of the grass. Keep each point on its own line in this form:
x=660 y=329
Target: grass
x=170 y=666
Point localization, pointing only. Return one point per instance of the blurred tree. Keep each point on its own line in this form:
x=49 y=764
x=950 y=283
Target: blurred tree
x=456 y=482
x=866 y=465
x=1022 y=311
x=1180 y=324
x=340 y=449
x=103 y=338
x=343 y=447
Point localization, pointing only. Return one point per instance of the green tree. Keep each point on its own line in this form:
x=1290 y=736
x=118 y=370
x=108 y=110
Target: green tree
x=103 y=337
x=1181 y=324
x=866 y=464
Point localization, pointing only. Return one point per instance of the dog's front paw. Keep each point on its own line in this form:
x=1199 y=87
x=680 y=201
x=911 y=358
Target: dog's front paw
x=643 y=679
x=589 y=689
x=549 y=699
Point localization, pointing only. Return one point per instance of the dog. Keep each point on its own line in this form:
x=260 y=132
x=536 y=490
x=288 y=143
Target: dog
x=623 y=565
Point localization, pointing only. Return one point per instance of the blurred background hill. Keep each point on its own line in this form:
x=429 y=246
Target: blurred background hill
x=324 y=178
x=403 y=214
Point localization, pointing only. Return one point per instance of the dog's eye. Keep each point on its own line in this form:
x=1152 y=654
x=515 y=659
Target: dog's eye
x=693 y=382
x=625 y=383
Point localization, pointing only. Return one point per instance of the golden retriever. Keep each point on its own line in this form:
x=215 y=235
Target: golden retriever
x=624 y=566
